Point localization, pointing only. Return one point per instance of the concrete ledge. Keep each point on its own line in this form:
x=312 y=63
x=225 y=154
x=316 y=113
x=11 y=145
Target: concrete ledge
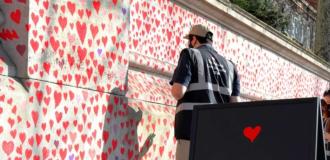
x=250 y=27
x=144 y=63
x=151 y=65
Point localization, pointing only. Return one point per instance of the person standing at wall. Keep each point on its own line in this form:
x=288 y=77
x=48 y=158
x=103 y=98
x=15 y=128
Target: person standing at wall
x=202 y=76
x=325 y=104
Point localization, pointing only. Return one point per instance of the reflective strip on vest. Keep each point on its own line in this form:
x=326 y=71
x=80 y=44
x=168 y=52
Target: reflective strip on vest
x=230 y=77
x=210 y=86
x=200 y=66
x=187 y=106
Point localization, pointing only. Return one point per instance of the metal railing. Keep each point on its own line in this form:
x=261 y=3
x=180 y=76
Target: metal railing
x=301 y=16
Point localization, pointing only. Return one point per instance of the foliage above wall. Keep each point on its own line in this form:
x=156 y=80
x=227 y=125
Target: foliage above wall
x=266 y=11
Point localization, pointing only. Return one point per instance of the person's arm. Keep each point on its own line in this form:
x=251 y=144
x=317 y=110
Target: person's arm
x=178 y=90
x=234 y=99
x=236 y=87
x=181 y=76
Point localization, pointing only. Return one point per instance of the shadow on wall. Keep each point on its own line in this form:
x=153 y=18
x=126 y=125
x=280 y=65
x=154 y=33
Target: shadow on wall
x=11 y=68
x=2 y=18
x=13 y=44
x=120 y=131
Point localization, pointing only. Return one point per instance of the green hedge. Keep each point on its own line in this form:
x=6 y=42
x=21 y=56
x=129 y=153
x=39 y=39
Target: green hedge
x=266 y=11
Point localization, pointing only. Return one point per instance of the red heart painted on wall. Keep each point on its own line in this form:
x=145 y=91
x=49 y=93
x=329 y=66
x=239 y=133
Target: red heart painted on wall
x=45 y=152
x=8 y=1
x=54 y=43
x=8 y=147
x=97 y=5
x=34 y=45
x=82 y=53
x=81 y=30
x=35 y=18
x=45 y=4
x=94 y=30
x=63 y=9
x=100 y=69
x=62 y=21
x=46 y=66
x=70 y=60
x=63 y=153
x=71 y=6
x=28 y=153
x=21 y=49
x=57 y=98
x=16 y=16
x=81 y=13
x=161 y=150
x=252 y=133
x=88 y=13
x=35 y=116
x=114 y=2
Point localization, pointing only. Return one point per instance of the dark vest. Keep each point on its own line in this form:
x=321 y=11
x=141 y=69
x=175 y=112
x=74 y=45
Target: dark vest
x=211 y=83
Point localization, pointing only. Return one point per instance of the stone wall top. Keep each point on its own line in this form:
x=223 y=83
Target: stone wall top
x=250 y=27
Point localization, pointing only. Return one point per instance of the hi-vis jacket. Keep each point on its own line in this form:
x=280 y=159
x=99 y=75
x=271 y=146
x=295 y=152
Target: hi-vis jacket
x=210 y=79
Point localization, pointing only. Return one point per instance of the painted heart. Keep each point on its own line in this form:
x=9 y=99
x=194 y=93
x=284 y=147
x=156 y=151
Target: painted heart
x=77 y=78
x=97 y=5
x=8 y=147
x=81 y=13
x=35 y=18
x=82 y=53
x=57 y=98
x=39 y=95
x=35 y=116
x=94 y=30
x=71 y=95
x=63 y=153
x=72 y=7
x=251 y=133
x=58 y=116
x=38 y=139
x=1 y=129
x=62 y=21
x=88 y=13
x=45 y=4
x=54 y=43
x=28 y=153
x=21 y=49
x=70 y=60
x=8 y=1
x=34 y=45
x=81 y=30
x=89 y=72
x=46 y=66
x=63 y=9
x=114 y=2
x=16 y=16
x=45 y=152
x=161 y=150
x=100 y=69
x=114 y=143
x=104 y=40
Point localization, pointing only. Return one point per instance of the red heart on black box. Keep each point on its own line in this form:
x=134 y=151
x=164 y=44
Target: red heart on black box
x=252 y=133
